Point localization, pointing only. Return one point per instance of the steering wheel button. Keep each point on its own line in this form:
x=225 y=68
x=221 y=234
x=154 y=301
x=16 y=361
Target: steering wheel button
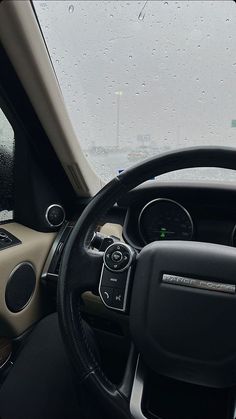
x=118 y=298
x=114 y=280
x=117 y=256
x=107 y=294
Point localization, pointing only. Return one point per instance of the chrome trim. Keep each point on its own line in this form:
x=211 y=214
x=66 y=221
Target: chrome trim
x=232 y=236
x=137 y=392
x=46 y=215
x=5 y=362
x=131 y=255
x=125 y=294
x=234 y=409
x=158 y=200
x=12 y=273
x=198 y=283
x=52 y=251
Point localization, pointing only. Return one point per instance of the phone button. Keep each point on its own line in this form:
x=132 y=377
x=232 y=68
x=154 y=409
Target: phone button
x=107 y=294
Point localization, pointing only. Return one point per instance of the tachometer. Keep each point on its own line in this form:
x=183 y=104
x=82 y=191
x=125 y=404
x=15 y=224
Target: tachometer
x=164 y=219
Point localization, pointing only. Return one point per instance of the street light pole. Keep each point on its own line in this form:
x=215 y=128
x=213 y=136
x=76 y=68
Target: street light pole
x=118 y=95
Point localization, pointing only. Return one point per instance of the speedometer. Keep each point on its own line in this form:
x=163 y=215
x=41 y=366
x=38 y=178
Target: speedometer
x=164 y=219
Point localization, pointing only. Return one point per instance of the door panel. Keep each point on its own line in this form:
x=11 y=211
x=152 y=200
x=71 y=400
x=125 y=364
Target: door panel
x=33 y=249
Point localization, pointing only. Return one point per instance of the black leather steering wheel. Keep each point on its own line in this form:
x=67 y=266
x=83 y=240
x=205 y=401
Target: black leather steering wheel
x=180 y=331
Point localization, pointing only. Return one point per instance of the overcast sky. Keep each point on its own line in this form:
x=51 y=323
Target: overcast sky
x=175 y=67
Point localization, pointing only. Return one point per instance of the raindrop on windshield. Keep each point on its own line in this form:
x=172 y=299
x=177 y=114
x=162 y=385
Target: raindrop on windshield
x=71 y=8
x=141 y=15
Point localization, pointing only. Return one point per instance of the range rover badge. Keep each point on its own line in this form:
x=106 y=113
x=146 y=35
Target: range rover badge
x=198 y=283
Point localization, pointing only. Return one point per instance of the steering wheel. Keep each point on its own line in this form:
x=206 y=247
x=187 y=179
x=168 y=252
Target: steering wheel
x=180 y=296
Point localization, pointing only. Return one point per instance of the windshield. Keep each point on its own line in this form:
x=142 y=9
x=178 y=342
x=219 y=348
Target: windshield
x=141 y=78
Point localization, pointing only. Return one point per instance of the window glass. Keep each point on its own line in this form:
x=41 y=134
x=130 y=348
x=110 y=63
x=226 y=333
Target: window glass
x=143 y=77
x=7 y=143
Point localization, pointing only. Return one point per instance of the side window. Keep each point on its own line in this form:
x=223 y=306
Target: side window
x=7 y=147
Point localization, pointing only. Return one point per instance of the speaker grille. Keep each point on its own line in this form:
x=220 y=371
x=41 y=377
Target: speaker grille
x=20 y=287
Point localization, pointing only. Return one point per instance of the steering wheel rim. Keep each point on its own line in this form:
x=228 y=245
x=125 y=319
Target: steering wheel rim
x=77 y=259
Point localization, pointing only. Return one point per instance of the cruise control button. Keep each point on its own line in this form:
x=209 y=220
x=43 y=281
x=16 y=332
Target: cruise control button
x=118 y=298
x=107 y=294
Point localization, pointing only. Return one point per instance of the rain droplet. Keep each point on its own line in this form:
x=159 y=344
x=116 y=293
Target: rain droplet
x=111 y=15
x=141 y=15
x=71 y=8
x=130 y=57
x=166 y=3
x=143 y=84
x=137 y=93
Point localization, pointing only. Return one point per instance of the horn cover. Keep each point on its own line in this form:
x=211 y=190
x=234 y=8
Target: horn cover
x=186 y=331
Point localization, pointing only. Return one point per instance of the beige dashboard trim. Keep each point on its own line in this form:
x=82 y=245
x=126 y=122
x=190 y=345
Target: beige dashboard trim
x=112 y=229
x=34 y=249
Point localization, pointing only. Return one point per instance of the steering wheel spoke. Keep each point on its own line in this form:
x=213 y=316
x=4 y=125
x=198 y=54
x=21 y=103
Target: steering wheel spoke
x=116 y=274
x=132 y=386
x=86 y=271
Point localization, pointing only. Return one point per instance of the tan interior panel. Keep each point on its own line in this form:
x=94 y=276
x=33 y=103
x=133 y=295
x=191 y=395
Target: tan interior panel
x=34 y=249
x=111 y=229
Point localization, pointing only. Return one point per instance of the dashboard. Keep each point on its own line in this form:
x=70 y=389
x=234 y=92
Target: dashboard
x=161 y=211
x=180 y=211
